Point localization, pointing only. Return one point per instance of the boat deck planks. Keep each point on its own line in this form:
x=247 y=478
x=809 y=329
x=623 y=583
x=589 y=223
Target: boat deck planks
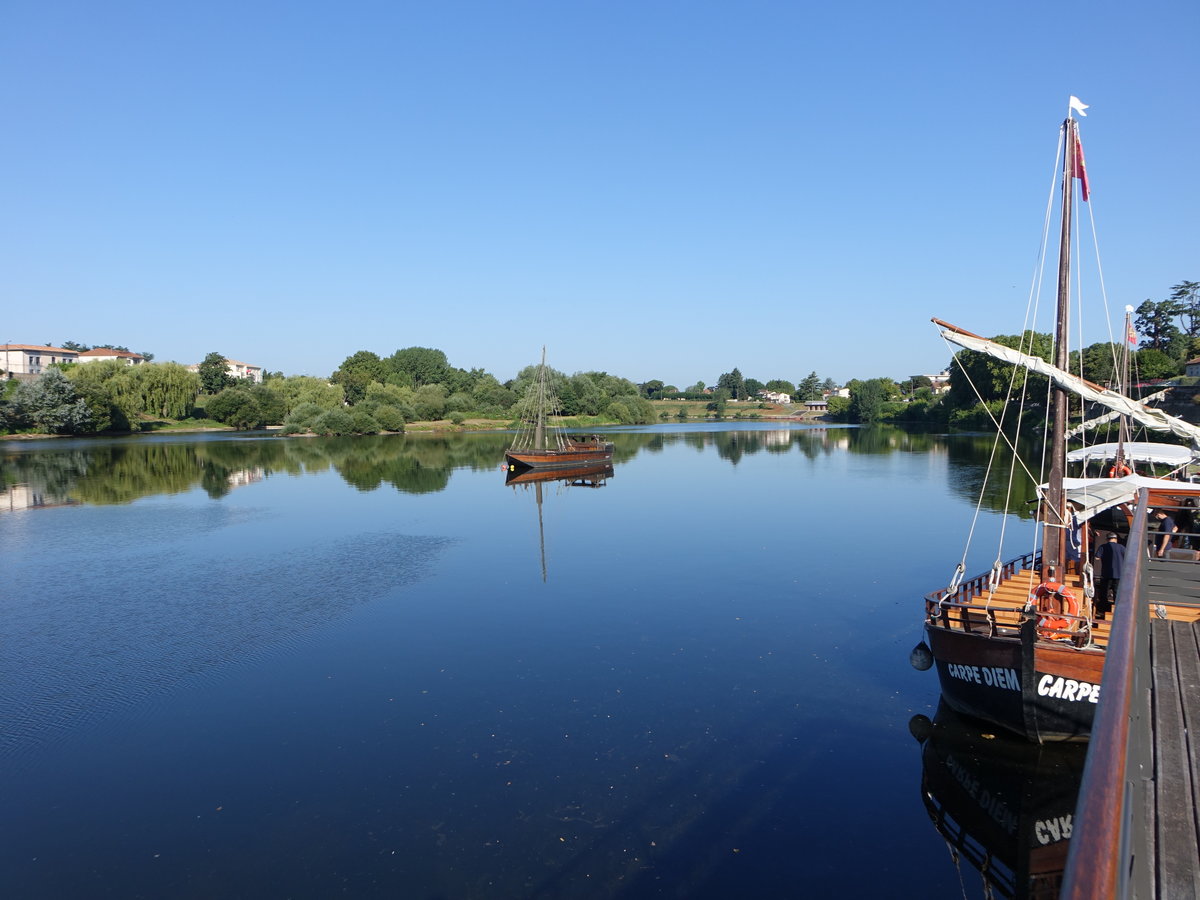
x=1175 y=672
x=1172 y=581
x=1010 y=597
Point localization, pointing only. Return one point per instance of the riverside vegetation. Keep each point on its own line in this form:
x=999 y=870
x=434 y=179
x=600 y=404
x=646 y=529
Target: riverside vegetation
x=367 y=394
x=370 y=394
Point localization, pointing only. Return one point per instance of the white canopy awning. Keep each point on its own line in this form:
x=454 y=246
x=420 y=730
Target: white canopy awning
x=1091 y=496
x=1137 y=451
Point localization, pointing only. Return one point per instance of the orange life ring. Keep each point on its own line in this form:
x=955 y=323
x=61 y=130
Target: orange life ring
x=1051 y=626
x=1119 y=471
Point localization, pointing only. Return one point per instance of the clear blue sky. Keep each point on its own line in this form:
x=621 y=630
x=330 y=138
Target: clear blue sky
x=656 y=189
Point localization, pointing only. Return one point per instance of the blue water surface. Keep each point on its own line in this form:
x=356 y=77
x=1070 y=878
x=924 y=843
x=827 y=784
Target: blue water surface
x=388 y=674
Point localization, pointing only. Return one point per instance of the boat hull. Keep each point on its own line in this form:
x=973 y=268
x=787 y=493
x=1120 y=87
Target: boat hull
x=1042 y=690
x=591 y=454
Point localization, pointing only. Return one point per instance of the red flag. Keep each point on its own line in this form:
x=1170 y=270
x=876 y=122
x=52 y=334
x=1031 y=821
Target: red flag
x=1130 y=334
x=1078 y=169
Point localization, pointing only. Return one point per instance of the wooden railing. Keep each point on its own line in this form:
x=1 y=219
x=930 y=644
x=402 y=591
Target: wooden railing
x=1109 y=843
x=977 y=586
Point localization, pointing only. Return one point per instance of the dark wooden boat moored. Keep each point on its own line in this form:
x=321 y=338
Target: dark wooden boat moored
x=1022 y=646
x=539 y=445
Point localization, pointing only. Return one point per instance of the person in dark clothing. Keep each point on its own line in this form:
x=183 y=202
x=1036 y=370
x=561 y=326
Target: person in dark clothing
x=1110 y=557
x=1166 y=532
x=1185 y=518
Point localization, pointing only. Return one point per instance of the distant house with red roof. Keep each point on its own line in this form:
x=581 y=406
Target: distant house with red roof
x=32 y=359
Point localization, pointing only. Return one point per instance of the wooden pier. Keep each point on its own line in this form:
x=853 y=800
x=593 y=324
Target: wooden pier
x=1136 y=830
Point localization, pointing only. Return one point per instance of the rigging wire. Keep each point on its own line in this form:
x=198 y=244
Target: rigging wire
x=1032 y=305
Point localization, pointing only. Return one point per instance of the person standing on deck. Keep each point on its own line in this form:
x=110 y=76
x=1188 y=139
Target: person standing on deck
x=1074 y=547
x=1185 y=518
x=1166 y=531
x=1111 y=558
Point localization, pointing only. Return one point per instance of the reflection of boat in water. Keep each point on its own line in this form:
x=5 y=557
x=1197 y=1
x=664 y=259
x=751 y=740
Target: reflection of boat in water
x=1022 y=646
x=539 y=445
x=594 y=476
x=1002 y=804
x=588 y=476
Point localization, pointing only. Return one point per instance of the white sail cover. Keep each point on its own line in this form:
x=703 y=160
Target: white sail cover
x=1109 y=417
x=1154 y=419
x=1135 y=451
x=1091 y=496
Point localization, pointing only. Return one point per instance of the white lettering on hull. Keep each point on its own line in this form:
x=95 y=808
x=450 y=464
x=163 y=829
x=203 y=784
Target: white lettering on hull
x=992 y=676
x=1068 y=689
x=994 y=806
x=1051 y=831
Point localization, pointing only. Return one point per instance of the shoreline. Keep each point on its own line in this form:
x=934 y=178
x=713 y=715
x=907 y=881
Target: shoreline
x=421 y=428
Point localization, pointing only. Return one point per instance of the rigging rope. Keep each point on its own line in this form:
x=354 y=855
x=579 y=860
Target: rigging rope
x=1026 y=337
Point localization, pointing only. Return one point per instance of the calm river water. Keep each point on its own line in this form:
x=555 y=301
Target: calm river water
x=249 y=666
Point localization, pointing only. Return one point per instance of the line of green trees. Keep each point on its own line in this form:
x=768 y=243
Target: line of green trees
x=737 y=387
x=421 y=380
x=367 y=394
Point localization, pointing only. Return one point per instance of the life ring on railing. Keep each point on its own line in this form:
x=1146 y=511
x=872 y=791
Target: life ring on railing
x=1119 y=471
x=1049 y=625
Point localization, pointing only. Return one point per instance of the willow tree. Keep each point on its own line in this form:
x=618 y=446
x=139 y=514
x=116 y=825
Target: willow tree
x=166 y=389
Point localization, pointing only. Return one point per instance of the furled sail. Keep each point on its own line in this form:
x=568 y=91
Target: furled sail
x=1108 y=417
x=1154 y=419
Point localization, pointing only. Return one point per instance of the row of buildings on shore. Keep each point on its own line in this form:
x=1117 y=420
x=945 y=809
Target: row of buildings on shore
x=24 y=361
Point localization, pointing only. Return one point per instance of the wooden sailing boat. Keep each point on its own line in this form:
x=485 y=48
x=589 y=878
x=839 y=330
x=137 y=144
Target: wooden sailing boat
x=1021 y=646
x=539 y=445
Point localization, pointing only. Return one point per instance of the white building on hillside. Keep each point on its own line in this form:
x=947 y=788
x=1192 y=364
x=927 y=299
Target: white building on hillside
x=238 y=370
x=32 y=359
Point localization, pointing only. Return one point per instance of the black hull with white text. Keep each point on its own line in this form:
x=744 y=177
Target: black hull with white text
x=1041 y=690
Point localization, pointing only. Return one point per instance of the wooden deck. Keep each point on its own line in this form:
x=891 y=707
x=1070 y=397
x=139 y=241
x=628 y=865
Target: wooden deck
x=1010 y=597
x=1175 y=741
x=1169 y=583
x=1137 y=825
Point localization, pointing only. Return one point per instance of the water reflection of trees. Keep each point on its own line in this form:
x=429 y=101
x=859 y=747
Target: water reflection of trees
x=124 y=470
x=120 y=472
x=969 y=458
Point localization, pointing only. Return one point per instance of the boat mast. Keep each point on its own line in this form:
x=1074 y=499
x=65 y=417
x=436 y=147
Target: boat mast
x=1055 y=519
x=539 y=428
x=1123 y=435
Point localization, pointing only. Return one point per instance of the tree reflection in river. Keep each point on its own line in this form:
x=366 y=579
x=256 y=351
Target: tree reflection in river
x=104 y=472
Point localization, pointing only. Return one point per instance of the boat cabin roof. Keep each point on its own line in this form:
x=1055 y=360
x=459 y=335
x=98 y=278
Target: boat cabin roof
x=1135 y=451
